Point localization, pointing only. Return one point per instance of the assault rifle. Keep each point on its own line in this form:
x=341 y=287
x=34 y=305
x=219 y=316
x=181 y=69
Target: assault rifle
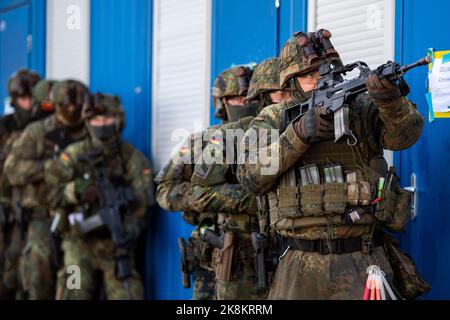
x=114 y=201
x=335 y=93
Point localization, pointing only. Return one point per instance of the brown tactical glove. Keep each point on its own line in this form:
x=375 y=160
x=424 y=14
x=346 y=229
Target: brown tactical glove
x=383 y=92
x=91 y=195
x=314 y=126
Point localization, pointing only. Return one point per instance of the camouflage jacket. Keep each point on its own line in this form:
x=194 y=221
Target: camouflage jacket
x=9 y=132
x=130 y=168
x=395 y=128
x=24 y=165
x=218 y=169
x=176 y=192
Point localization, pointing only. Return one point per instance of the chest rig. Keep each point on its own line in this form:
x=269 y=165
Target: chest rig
x=328 y=185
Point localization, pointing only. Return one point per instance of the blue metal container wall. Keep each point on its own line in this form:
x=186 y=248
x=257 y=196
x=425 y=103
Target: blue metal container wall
x=242 y=32
x=20 y=19
x=13 y=41
x=420 y=27
x=121 y=59
x=36 y=60
x=293 y=18
x=251 y=31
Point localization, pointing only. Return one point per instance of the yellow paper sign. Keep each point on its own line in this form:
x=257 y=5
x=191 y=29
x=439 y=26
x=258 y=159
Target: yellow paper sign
x=438 y=96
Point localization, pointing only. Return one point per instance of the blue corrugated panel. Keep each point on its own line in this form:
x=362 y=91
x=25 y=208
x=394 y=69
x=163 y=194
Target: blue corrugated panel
x=292 y=18
x=120 y=61
x=14 y=16
x=427 y=238
x=242 y=32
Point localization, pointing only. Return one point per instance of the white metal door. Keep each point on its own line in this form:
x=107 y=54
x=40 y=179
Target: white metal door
x=67 y=54
x=181 y=73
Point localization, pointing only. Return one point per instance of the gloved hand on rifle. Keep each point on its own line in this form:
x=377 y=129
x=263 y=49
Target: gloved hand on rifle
x=92 y=195
x=314 y=126
x=384 y=93
x=86 y=191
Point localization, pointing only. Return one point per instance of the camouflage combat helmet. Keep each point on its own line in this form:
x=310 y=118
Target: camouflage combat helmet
x=231 y=82
x=21 y=84
x=105 y=104
x=266 y=78
x=69 y=92
x=303 y=53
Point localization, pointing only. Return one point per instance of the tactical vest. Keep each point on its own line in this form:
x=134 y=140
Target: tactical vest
x=296 y=205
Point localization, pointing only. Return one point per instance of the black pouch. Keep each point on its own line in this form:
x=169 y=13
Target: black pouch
x=406 y=278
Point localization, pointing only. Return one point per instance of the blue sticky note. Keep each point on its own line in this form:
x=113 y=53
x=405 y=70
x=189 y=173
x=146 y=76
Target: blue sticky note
x=446 y=58
x=430 y=107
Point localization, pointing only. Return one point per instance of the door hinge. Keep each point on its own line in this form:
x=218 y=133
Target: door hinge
x=29 y=43
x=277 y=3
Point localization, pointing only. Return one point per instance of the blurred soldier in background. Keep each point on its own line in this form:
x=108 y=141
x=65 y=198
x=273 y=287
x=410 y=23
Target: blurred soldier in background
x=233 y=256
x=26 y=106
x=199 y=205
x=104 y=188
x=40 y=143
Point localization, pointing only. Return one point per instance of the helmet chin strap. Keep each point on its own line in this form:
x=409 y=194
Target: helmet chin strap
x=265 y=101
x=297 y=91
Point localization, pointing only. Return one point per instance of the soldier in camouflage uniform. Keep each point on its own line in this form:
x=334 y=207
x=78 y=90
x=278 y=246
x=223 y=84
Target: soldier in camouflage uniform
x=20 y=88
x=199 y=205
x=263 y=90
x=325 y=255
x=77 y=175
x=24 y=168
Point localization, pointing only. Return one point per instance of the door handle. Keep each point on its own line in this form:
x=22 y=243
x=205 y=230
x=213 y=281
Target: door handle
x=414 y=195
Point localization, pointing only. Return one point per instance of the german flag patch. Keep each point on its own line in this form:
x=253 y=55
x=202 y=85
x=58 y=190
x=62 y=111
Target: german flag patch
x=64 y=157
x=215 y=140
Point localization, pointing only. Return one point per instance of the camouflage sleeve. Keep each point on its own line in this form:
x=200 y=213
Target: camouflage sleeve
x=226 y=198
x=264 y=153
x=140 y=175
x=211 y=189
x=395 y=128
x=23 y=164
x=60 y=179
x=402 y=125
x=172 y=193
x=176 y=192
x=215 y=161
x=173 y=180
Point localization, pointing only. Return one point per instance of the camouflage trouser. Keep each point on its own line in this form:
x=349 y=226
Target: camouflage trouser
x=13 y=244
x=4 y=291
x=95 y=259
x=244 y=284
x=312 y=276
x=204 y=284
x=37 y=274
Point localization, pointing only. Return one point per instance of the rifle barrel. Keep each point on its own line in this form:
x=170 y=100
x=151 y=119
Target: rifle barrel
x=421 y=62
